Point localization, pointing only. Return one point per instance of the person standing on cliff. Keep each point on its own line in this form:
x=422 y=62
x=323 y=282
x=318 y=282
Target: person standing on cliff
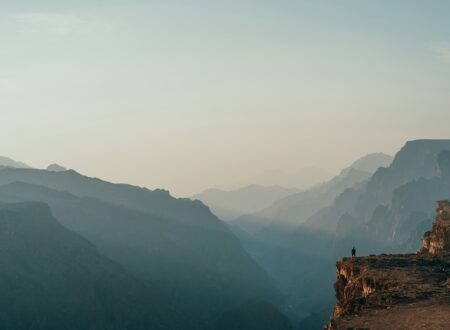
x=353 y=252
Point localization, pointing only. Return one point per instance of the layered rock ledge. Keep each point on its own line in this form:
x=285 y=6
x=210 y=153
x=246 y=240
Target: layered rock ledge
x=408 y=291
x=392 y=292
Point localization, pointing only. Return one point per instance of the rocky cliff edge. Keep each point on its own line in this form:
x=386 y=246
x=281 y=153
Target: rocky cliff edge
x=408 y=291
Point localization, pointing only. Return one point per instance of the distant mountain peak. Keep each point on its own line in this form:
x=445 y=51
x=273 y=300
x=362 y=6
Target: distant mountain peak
x=422 y=153
x=56 y=168
x=371 y=162
x=8 y=162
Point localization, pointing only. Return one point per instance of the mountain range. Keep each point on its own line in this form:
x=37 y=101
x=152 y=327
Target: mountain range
x=174 y=247
x=229 y=205
x=396 y=199
x=383 y=212
x=297 y=208
x=144 y=259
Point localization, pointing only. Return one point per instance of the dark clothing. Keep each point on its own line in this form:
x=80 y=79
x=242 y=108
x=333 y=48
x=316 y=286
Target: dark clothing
x=353 y=252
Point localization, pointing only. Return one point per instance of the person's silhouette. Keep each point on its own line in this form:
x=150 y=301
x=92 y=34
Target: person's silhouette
x=353 y=252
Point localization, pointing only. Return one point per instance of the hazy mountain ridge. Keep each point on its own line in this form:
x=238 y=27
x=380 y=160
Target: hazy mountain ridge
x=405 y=190
x=194 y=259
x=302 y=179
x=410 y=209
x=157 y=202
x=295 y=209
x=384 y=213
x=8 y=162
x=231 y=204
x=296 y=258
x=371 y=162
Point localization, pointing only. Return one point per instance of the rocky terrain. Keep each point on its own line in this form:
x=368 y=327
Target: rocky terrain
x=438 y=239
x=406 y=291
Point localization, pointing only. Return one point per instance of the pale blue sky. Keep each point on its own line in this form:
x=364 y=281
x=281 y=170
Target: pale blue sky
x=189 y=94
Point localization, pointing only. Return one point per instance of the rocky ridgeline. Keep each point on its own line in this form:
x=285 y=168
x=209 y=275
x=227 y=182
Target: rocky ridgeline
x=409 y=291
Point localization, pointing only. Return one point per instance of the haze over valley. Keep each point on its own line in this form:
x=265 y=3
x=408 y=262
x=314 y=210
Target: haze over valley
x=278 y=253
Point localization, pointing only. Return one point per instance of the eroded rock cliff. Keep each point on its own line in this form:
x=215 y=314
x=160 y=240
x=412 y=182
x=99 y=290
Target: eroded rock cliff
x=438 y=239
x=408 y=291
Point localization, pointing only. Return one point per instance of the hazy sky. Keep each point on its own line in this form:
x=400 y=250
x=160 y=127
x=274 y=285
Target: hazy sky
x=188 y=94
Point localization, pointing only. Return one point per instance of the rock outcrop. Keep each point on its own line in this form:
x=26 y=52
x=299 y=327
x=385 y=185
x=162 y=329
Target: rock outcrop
x=408 y=291
x=438 y=239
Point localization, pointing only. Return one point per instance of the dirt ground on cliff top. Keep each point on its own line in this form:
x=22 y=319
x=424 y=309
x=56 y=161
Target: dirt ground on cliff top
x=429 y=315
x=404 y=292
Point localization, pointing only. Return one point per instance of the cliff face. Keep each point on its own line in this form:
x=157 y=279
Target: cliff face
x=408 y=291
x=438 y=239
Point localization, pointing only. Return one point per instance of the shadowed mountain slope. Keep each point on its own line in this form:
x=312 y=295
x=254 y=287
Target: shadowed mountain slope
x=52 y=278
x=202 y=268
